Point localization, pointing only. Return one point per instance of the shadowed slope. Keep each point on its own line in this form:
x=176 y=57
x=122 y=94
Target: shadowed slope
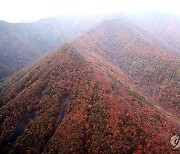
x=23 y=43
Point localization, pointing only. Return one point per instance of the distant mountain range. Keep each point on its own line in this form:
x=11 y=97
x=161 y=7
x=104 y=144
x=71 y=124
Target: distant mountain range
x=113 y=86
x=22 y=43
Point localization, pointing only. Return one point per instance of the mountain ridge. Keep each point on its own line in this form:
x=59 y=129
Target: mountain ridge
x=23 y=43
x=104 y=74
x=93 y=108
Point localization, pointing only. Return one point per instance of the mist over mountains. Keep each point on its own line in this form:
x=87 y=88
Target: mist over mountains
x=23 y=43
x=106 y=84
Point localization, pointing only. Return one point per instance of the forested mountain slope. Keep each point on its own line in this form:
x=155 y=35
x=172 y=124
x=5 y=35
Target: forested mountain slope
x=152 y=69
x=164 y=26
x=103 y=114
x=109 y=90
x=23 y=43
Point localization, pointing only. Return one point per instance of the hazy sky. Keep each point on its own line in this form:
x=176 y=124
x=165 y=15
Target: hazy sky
x=19 y=10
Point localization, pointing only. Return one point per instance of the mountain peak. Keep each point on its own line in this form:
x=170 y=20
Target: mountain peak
x=110 y=90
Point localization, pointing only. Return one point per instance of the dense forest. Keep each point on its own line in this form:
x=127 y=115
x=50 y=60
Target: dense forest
x=151 y=68
x=103 y=114
x=109 y=90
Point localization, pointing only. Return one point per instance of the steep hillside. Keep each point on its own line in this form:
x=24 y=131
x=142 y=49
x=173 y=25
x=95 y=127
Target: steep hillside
x=110 y=90
x=152 y=69
x=164 y=26
x=104 y=113
x=15 y=53
x=23 y=43
x=167 y=28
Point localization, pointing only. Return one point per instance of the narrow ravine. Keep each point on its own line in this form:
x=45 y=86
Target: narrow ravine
x=62 y=112
x=60 y=116
x=21 y=127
